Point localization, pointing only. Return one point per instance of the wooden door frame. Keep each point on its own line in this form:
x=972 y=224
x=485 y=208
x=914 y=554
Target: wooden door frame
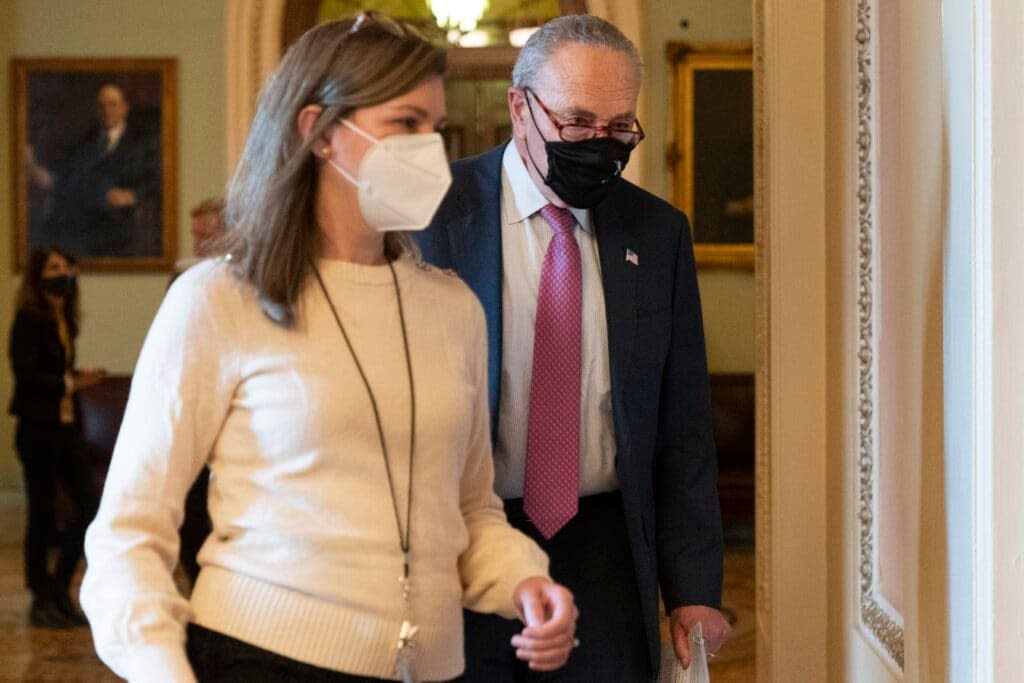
x=790 y=282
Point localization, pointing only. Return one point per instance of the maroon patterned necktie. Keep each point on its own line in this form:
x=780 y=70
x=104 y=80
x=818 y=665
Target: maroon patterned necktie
x=551 y=489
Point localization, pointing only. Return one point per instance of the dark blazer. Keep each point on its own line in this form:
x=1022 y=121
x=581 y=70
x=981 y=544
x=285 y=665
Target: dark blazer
x=665 y=454
x=38 y=360
x=82 y=221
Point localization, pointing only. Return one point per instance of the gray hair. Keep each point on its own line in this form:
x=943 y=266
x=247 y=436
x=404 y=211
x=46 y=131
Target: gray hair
x=585 y=29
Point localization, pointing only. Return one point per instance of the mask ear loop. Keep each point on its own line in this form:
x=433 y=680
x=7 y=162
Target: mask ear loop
x=344 y=173
x=533 y=120
x=359 y=131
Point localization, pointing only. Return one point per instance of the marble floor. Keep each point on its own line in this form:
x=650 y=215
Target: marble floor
x=33 y=655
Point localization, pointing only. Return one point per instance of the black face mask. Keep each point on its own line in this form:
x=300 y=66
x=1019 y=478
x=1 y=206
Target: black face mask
x=583 y=173
x=61 y=285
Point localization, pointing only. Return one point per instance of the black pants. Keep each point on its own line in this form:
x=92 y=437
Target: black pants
x=591 y=556
x=216 y=657
x=50 y=454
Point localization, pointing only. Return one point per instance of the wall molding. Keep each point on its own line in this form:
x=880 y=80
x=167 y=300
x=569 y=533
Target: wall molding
x=252 y=51
x=791 y=82
x=762 y=326
x=875 y=617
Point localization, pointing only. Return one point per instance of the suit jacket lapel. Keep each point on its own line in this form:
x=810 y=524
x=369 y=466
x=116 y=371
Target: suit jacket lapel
x=475 y=240
x=619 y=278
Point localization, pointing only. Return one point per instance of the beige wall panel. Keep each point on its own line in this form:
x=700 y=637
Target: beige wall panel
x=727 y=295
x=117 y=308
x=792 y=602
x=1008 y=348
x=923 y=183
x=899 y=299
x=898 y=287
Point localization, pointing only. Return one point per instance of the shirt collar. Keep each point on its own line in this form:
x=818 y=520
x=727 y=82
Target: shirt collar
x=527 y=200
x=114 y=134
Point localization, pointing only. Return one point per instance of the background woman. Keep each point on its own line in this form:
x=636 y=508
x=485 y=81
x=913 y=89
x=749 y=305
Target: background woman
x=42 y=352
x=340 y=388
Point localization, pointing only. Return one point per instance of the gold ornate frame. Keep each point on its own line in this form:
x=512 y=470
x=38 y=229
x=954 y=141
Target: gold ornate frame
x=686 y=60
x=165 y=71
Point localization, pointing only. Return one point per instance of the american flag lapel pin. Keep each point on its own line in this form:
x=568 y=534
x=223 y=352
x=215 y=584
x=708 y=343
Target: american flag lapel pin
x=631 y=257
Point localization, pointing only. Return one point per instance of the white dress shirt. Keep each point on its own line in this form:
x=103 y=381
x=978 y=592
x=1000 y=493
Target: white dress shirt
x=524 y=239
x=114 y=136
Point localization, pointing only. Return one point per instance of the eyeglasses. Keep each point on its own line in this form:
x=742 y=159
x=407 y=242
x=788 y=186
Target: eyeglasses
x=577 y=132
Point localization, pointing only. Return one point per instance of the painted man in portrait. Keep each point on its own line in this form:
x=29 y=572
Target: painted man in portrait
x=103 y=200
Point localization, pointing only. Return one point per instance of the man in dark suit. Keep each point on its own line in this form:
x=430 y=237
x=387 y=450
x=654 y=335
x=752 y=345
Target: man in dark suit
x=104 y=200
x=599 y=393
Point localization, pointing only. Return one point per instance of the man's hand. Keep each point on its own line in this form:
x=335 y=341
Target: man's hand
x=120 y=198
x=549 y=612
x=714 y=626
x=37 y=175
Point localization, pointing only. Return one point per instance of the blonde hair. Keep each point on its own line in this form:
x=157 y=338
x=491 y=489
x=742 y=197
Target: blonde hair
x=272 y=235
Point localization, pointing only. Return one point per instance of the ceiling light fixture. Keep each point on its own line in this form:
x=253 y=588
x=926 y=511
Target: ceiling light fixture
x=458 y=14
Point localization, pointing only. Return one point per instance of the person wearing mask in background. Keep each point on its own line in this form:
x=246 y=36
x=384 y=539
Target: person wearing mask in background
x=336 y=386
x=599 y=391
x=47 y=438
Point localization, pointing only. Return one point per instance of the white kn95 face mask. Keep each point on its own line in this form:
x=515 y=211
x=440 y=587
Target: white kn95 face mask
x=402 y=179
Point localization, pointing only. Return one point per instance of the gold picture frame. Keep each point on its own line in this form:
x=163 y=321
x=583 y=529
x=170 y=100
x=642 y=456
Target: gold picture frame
x=712 y=157
x=93 y=177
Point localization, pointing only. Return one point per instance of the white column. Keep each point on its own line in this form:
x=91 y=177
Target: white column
x=252 y=49
x=984 y=337
x=967 y=337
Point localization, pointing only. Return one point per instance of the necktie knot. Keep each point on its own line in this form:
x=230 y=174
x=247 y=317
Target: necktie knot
x=561 y=220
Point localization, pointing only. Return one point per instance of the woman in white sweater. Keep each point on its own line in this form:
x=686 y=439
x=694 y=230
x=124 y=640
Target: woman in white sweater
x=335 y=386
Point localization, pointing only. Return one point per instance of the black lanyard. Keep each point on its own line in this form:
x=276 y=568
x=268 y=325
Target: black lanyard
x=404 y=539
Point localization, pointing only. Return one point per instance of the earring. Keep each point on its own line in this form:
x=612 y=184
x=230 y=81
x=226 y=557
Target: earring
x=326 y=151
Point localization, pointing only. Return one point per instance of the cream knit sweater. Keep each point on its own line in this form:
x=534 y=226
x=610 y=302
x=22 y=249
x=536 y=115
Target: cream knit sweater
x=304 y=557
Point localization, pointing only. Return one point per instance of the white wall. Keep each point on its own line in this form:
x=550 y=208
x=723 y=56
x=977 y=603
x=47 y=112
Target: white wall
x=985 y=334
x=117 y=308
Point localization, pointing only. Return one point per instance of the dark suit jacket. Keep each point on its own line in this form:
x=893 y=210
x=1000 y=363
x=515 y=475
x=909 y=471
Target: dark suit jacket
x=83 y=222
x=37 y=358
x=665 y=454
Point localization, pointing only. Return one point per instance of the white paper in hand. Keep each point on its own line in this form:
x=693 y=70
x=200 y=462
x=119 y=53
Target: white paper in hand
x=673 y=672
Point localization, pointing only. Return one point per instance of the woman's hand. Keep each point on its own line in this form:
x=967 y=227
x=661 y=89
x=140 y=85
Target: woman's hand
x=550 y=614
x=88 y=377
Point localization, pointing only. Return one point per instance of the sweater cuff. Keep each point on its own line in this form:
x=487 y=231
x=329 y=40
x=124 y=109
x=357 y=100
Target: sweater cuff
x=535 y=565
x=157 y=662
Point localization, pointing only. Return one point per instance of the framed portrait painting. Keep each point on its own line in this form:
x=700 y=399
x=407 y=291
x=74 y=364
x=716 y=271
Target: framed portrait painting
x=713 y=157
x=95 y=160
